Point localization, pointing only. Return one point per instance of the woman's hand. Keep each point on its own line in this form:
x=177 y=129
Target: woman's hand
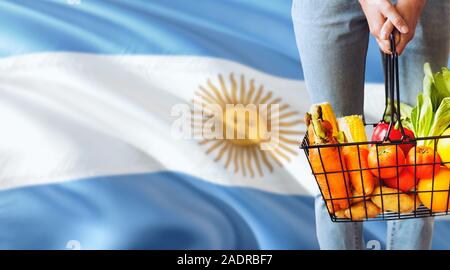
x=379 y=12
x=410 y=10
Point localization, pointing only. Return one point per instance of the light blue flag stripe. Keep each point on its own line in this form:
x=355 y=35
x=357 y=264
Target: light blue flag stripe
x=134 y=212
x=257 y=33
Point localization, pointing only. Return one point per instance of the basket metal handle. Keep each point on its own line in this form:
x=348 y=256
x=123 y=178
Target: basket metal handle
x=392 y=91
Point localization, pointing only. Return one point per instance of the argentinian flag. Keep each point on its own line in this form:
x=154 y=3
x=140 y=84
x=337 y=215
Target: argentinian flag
x=88 y=154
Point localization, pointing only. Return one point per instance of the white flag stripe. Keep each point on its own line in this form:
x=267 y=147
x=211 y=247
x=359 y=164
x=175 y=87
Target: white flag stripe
x=83 y=115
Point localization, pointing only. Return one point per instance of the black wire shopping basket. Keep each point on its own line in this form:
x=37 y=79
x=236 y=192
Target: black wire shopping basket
x=384 y=203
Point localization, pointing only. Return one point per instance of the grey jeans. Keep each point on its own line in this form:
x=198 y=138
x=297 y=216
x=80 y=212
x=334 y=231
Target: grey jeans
x=332 y=39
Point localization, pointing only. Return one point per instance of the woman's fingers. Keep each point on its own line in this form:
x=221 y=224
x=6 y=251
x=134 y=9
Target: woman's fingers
x=391 y=13
x=397 y=38
x=384 y=39
x=384 y=45
x=383 y=18
x=386 y=30
x=402 y=44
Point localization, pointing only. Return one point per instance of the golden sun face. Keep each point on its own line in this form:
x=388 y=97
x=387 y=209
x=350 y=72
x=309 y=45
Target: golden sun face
x=245 y=131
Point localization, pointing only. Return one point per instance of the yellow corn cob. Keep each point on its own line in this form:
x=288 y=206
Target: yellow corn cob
x=353 y=128
x=328 y=114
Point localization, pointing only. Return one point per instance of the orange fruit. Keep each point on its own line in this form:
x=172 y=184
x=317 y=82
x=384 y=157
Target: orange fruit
x=424 y=155
x=441 y=200
x=384 y=163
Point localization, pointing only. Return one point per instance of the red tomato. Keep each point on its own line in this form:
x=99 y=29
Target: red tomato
x=380 y=132
x=405 y=183
x=387 y=157
x=425 y=158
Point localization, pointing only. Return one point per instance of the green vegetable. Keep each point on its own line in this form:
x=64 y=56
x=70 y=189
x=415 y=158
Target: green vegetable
x=442 y=83
x=443 y=118
x=431 y=116
x=436 y=86
x=405 y=114
x=425 y=115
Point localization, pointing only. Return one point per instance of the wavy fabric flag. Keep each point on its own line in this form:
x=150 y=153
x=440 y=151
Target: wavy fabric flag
x=88 y=156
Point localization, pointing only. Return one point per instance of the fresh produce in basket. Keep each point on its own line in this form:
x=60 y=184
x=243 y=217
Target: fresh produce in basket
x=328 y=115
x=443 y=148
x=431 y=116
x=359 y=178
x=358 y=211
x=388 y=200
x=335 y=182
x=439 y=191
x=353 y=129
x=424 y=159
x=386 y=156
x=340 y=214
x=347 y=175
x=395 y=135
x=358 y=197
x=405 y=115
x=405 y=181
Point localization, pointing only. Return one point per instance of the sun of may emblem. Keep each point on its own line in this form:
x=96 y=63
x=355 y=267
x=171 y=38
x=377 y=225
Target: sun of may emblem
x=252 y=128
